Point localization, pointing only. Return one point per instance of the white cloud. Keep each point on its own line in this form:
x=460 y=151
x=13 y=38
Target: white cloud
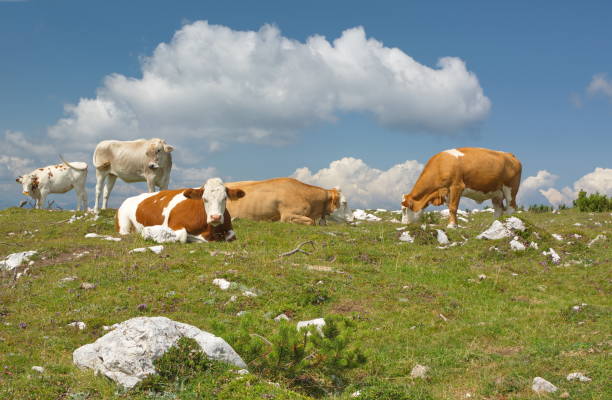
x=363 y=185
x=532 y=185
x=600 y=84
x=219 y=85
x=600 y=180
x=556 y=197
x=192 y=177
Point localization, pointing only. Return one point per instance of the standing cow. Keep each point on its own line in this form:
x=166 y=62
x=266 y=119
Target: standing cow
x=59 y=178
x=475 y=173
x=133 y=161
x=287 y=200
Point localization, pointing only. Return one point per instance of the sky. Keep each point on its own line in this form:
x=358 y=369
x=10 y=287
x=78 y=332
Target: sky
x=352 y=94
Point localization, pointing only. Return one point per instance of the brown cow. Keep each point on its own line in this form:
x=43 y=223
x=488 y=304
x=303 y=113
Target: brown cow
x=286 y=200
x=194 y=214
x=475 y=173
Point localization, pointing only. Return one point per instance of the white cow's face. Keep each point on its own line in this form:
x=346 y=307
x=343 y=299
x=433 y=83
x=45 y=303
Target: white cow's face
x=158 y=152
x=343 y=212
x=215 y=196
x=29 y=184
x=409 y=216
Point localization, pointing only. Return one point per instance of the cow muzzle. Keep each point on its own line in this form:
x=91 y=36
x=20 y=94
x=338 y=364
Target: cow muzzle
x=215 y=220
x=26 y=193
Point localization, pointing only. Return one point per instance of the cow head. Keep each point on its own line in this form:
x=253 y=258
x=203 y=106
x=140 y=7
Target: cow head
x=214 y=194
x=29 y=184
x=338 y=208
x=409 y=213
x=158 y=152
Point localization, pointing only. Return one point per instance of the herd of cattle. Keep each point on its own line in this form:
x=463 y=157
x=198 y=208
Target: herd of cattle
x=204 y=214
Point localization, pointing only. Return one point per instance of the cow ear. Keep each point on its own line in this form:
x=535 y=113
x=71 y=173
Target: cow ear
x=193 y=193
x=168 y=148
x=19 y=178
x=234 y=194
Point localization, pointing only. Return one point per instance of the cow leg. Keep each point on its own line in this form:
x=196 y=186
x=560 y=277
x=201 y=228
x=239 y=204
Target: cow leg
x=100 y=178
x=42 y=199
x=150 y=184
x=510 y=200
x=107 y=189
x=498 y=206
x=37 y=202
x=453 y=205
x=297 y=219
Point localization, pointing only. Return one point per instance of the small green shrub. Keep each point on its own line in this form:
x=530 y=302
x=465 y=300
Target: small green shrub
x=593 y=203
x=430 y=218
x=540 y=208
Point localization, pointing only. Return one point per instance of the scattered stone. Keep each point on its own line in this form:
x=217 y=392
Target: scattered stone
x=14 y=260
x=78 y=324
x=282 y=317
x=534 y=245
x=482 y=277
x=318 y=322
x=577 y=224
x=356 y=394
x=364 y=216
x=242 y=372
x=442 y=238
x=564 y=395
x=138 y=250
x=38 y=369
x=557 y=237
x=87 y=286
x=240 y=313
x=555 y=258
x=597 y=239
x=419 y=371
x=249 y=293
x=500 y=230
x=142 y=307
x=105 y=237
x=222 y=283
x=232 y=299
x=126 y=354
x=541 y=385
x=405 y=237
x=579 y=307
x=157 y=249
x=516 y=245
x=159 y=234
x=578 y=376
x=322 y=268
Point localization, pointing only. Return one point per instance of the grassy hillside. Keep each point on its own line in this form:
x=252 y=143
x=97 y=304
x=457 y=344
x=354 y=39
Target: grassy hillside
x=486 y=320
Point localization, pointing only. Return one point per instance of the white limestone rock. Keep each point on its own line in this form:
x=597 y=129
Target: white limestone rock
x=78 y=324
x=38 y=369
x=541 y=385
x=442 y=238
x=578 y=376
x=105 y=237
x=159 y=234
x=405 y=237
x=14 y=260
x=419 y=371
x=364 y=216
x=126 y=353
x=223 y=284
x=555 y=258
x=516 y=245
x=500 y=230
x=318 y=322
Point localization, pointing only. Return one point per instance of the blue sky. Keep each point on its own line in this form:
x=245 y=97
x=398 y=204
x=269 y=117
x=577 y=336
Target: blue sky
x=534 y=63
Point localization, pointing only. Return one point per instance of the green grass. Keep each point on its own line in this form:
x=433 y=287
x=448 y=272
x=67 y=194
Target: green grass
x=409 y=304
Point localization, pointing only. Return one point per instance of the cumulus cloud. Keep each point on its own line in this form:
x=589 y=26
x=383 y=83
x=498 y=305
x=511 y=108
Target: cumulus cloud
x=363 y=185
x=221 y=85
x=598 y=181
x=600 y=85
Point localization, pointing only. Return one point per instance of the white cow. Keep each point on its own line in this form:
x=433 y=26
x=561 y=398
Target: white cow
x=58 y=178
x=133 y=161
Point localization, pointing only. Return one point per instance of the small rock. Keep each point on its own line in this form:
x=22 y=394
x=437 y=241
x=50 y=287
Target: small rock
x=78 y=324
x=442 y=238
x=557 y=237
x=233 y=299
x=222 y=283
x=541 y=385
x=14 y=260
x=419 y=371
x=555 y=258
x=240 y=313
x=579 y=307
x=248 y=293
x=482 y=277
x=87 y=286
x=138 y=250
x=281 y=317
x=405 y=237
x=578 y=376
x=318 y=322
x=356 y=394
x=242 y=371
x=69 y=279
x=516 y=245
x=597 y=239
x=142 y=307
x=533 y=245
x=38 y=369
x=564 y=395
x=157 y=249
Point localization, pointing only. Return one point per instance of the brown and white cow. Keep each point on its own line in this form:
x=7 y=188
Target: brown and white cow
x=475 y=173
x=286 y=200
x=196 y=215
x=133 y=161
x=58 y=178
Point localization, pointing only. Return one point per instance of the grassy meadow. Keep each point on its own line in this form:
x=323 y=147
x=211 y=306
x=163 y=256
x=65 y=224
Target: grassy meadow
x=485 y=319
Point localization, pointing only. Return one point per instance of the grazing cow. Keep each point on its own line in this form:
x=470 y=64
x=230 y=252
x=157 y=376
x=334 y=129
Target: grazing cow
x=58 y=178
x=475 y=173
x=286 y=200
x=133 y=161
x=196 y=215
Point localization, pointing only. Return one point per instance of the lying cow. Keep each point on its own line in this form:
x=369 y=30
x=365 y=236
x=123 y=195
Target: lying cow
x=286 y=200
x=134 y=161
x=59 y=178
x=196 y=215
x=475 y=173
